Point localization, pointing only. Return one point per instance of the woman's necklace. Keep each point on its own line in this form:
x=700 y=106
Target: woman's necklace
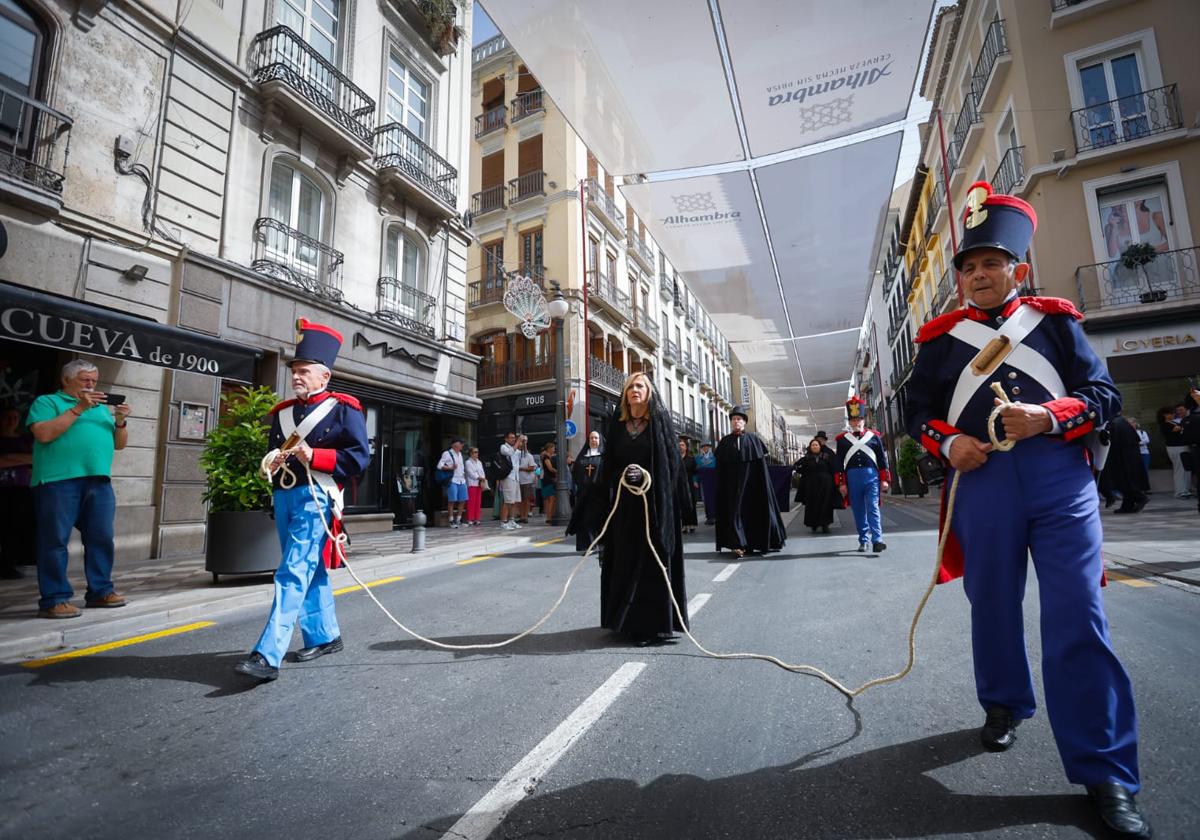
x=636 y=425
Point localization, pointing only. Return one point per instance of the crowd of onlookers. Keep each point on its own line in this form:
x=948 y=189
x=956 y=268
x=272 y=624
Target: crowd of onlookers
x=1126 y=476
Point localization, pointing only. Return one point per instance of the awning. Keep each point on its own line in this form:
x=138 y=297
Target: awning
x=72 y=325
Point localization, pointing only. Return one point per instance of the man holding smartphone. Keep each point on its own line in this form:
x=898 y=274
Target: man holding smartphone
x=75 y=435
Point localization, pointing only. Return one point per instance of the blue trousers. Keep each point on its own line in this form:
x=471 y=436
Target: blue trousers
x=862 y=485
x=302 y=589
x=87 y=504
x=1039 y=500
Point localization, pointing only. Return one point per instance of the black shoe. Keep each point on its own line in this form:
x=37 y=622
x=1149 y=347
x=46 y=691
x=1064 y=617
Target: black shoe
x=862 y=547
x=256 y=665
x=999 y=730
x=11 y=573
x=824 y=529
x=878 y=547
x=1108 y=501
x=308 y=654
x=1119 y=810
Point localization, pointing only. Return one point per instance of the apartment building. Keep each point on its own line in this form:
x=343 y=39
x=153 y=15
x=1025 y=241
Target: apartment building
x=543 y=207
x=180 y=182
x=1088 y=109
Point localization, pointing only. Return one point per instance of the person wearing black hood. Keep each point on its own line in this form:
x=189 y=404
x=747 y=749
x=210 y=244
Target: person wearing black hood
x=641 y=441
x=1124 y=470
x=586 y=473
x=747 y=511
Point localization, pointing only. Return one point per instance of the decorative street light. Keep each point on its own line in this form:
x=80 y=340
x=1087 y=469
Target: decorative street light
x=559 y=307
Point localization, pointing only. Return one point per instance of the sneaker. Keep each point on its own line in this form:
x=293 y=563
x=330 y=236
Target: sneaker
x=63 y=610
x=112 y=599
x=507 y=525
x=516 y=526
x=453 y=523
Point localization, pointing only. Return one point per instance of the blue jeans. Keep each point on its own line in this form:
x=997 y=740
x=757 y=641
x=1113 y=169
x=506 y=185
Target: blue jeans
x=862 y=484
x=59 y=506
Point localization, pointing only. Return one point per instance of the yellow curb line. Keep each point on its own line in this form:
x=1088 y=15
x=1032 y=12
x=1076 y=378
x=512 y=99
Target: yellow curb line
x=548 y=542
x=1128 y=580
x=477 y=559
x=370 y=585
x=88 y=651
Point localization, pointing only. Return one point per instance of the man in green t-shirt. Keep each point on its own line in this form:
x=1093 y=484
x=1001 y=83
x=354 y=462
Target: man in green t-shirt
x=75 y=436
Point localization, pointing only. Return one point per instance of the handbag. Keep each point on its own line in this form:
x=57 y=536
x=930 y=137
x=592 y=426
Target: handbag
x=931 y=469
x=442 y=477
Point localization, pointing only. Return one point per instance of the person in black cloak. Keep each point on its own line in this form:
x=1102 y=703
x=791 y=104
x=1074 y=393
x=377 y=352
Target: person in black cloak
x=640 y=439
x=747 y=511
x=817 y=490
x=586 y=473
x=687 y=504
x=1124 y=470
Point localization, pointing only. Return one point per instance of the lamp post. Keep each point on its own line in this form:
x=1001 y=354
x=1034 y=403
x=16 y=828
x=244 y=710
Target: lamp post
x=559 y=307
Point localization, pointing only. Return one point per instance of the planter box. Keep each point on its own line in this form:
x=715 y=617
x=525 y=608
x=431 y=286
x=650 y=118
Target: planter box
x=241 y=543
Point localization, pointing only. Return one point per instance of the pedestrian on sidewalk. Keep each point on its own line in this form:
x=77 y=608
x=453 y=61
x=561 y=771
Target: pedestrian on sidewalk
x=1143 y=446
x=549 y=479
x=1124 y=471
x=1170 y=423
x=75 y=437
x=510 y=485
x=326 y=438
x=476 y=484
x=526 y=477
x=1035 y=501
x=16 y=497
x=452 y=461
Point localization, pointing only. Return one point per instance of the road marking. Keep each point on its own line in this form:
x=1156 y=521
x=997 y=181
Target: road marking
x=479 y=558
x=1128 y=580
x=88 y=651
x=370 y=585
x=697 y=602
x=726 y=573
x=486 y=815
x=548 y=542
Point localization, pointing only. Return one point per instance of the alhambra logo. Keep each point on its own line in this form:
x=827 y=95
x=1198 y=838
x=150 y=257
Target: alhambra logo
x=695 y=209
x=827 y=111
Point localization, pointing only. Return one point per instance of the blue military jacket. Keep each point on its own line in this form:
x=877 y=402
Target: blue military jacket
x=339 y=442
x=860 y=458
x=1089 y=396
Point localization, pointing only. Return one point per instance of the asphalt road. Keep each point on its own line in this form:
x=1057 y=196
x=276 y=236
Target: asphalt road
x=569 y=734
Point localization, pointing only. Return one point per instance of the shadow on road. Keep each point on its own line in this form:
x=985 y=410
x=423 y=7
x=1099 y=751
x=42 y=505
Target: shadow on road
x=214 y=670
x=537 y=644
x=879 y=793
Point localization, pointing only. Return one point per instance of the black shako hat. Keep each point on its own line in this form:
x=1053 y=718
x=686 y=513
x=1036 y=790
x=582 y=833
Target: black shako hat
x=317 y=343
x=739 y=411
x=995 y=221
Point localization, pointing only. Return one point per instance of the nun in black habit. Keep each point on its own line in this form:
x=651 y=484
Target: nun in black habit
x=586 y=473
x=747 y=512
x=640 y=439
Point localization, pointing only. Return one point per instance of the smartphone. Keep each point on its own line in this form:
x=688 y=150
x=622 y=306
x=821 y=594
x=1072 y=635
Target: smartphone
x=114 y=399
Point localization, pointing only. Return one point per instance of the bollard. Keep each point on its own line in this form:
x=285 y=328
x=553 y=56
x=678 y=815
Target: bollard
x=418 y=529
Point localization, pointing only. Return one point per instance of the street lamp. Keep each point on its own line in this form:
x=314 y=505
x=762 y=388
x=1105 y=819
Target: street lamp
x=559 y=307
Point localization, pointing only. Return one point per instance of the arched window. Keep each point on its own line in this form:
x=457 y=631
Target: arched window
x=402 y=286
x=24 y=41
x=316 y=21
x=297 y=203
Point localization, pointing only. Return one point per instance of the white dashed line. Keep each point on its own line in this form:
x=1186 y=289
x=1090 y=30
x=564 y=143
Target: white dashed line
x=696 y=603
x=725 y=573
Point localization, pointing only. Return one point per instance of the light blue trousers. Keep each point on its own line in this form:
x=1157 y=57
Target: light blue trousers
x=862 y=486
x=302 y=589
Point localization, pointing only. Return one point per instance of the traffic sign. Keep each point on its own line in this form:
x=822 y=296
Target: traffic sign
x=571 y=429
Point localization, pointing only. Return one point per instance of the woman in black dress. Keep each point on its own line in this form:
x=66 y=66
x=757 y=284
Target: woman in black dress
x=586 y=474
x=817 y=488
x=687 y=502
x=640 y=441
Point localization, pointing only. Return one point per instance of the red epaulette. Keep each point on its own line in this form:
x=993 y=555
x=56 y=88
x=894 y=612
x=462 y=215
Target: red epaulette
x=1053 y=306
x=281 y=406
x=940 y=325
x=840 y=435
x=346 y=399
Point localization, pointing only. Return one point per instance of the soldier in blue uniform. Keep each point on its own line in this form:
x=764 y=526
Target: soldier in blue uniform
x=1037 y=499
x=327 y=432
x=862 y=474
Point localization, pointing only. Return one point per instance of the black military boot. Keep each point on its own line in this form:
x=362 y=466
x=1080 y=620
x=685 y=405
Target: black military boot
x=999 y=730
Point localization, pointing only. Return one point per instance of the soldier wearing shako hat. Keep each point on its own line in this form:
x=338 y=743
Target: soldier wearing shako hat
x=862 y=474
x=1036 y=499
x=322 y=433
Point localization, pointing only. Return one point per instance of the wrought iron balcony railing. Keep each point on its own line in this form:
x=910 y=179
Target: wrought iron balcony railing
x=641 y=251
x=498 y=374
x=487 y=200
x=666 y=287
x=643 y=321
x=1011 y=170
x=290 y=257
x=527 y=103
x=488 y=48
x=690 y=315
x=396 y=146
x=680 y=302
x=605 y=203
x=605 y=375
x=606 y=290
x=406 y=306
x=670 y=351
x=995 y=44
x=526 y=186
x=1129 y=118
x=279 y=54
x=1170 y=276
x=490 y=120
x=936 y=202
x=945 y=291
x=967 y=117
x=491 y=288
x=34 y=142
x=1060 y=5
x=677 y=421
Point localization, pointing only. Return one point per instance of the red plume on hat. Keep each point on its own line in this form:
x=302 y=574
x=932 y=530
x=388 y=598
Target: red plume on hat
x=854 y=408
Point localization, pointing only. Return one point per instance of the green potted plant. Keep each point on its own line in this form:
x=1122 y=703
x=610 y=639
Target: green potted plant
x=1136 y=257
x=906 y=468
x=241 y=530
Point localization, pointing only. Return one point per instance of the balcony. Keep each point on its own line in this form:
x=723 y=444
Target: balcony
x=528 y=103
x=1064 y=12
x=493 y=119
x=670 y=352
x=405 y=306
x=523 y=187
x=294 y=77
x=1011 y=172
x=1169 y=278
x=406 y=161
x=688 y=363
x=689 y=316
x=605 y=291
x=893 y=330
x=491 y=288
x=641 y=252
x=680 y=303
x=937 y=203
x=492 y=46
x=966 y=128
x=677 y=421
x=34 y=142
x=605 y=375
x=692 y=429
x=666 y=288
x=605 y=208
x=1125 y=120
x=991 y=66
x=946 y=296
x=291 y=258
x=499 y=374
x=487 y=200
x=644 y=327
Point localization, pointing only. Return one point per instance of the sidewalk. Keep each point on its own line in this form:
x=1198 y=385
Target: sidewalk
x=1163 y=539
x=168 y=593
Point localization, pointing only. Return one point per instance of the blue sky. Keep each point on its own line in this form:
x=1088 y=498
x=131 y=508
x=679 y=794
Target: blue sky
x=482 y=27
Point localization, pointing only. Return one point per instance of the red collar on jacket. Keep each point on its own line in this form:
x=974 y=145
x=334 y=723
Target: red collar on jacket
x=944 y=323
